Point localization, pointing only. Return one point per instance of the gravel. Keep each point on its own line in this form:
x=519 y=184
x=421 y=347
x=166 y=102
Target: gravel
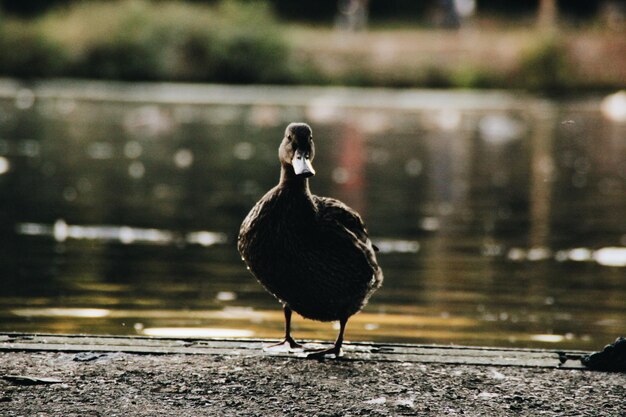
x=123 y=384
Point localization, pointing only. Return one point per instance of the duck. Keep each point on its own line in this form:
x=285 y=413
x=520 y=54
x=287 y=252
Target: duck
x=312 y=253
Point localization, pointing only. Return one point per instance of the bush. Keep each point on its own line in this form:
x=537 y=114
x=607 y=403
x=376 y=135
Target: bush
x=250 y=47
x=544 y=66
x=473 y=77
x=131 y=51
x=27 y=53
x=137 y=40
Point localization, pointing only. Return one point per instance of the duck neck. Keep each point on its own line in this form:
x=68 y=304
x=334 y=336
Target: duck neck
x=288 y=179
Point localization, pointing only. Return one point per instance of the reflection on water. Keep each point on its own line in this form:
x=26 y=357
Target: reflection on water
x=500 y=219
x=61 y=231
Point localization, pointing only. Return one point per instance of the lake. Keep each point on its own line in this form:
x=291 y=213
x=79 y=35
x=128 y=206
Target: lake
x=500 y=217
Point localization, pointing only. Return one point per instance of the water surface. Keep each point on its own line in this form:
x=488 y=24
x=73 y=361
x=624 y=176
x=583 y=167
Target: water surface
x=500 y=218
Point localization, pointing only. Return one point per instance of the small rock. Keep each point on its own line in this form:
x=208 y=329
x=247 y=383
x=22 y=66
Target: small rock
x=30 y=380
x=88 y=356
x=381 y=400
x=487 y=395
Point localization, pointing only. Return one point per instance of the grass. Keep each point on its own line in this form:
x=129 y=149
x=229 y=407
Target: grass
x=243 y=42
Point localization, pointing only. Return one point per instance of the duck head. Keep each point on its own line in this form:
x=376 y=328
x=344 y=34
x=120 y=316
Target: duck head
x=297 y=150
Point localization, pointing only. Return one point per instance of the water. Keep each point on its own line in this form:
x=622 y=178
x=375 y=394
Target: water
x=501 y=219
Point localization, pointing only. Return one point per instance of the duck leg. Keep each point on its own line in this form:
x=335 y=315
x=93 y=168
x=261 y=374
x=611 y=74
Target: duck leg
x=288 y=340
x=336 y=349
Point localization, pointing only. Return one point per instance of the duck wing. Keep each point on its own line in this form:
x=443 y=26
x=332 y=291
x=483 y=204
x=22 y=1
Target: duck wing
x=336 y=215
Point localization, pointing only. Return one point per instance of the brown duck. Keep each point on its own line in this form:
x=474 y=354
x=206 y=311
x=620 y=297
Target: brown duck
x=312 y=253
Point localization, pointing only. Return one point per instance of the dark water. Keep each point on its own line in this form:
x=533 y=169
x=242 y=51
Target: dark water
x=499 y=224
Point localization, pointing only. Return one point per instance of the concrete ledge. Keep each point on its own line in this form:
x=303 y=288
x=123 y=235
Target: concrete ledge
x=355 y=351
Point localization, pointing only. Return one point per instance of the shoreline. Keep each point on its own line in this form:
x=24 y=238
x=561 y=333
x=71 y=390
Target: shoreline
x=179 y=93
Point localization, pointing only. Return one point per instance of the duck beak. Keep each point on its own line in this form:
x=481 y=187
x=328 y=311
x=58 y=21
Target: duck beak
x=302 y=164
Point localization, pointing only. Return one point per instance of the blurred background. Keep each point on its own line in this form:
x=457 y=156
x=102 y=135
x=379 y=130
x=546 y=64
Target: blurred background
x=484 y=142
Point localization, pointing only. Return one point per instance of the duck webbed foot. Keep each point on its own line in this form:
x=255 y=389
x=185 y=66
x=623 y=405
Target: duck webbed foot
x=336 y=349
x=286 y=344
x=321 y=354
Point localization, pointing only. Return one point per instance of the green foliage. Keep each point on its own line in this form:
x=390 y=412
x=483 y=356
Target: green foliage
x=138 y=40
x=26 y=52
x=426 y=76
x=251 y=48
x=240 y=41
x=472 y=77
x=544 y=66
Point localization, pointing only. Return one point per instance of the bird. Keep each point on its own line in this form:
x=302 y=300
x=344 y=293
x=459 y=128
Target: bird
x=312 y=253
